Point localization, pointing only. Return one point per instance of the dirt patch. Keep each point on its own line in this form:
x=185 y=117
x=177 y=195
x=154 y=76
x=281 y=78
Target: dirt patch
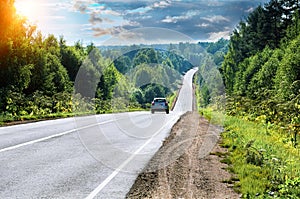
x=185 y=166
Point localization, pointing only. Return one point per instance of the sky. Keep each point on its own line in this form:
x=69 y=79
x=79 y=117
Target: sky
x=106 y=22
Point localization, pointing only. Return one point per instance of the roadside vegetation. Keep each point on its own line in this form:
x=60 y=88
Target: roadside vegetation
x=262 y=158
x=261 y=109
x=43 y=77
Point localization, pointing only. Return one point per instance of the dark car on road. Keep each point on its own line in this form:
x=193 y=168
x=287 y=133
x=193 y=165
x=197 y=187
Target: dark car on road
x=160 y=104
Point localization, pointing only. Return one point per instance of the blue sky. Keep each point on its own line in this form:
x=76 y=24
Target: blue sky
x=98 y=21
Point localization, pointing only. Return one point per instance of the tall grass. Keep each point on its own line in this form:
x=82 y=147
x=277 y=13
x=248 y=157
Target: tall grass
x=263 y=159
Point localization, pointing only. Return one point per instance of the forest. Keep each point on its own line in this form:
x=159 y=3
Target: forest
x=261 y=76
x=261 y=71
x=43 y=77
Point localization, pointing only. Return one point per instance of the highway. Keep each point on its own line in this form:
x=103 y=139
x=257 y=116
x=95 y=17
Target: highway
x=97 y=156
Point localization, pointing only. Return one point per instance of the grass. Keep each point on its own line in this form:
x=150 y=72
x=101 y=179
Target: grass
x=263 y=159
x=214 y=117
x=172 y=99
x=8 y=119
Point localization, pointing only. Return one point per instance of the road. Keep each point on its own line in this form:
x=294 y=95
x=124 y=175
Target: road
x=95 y=156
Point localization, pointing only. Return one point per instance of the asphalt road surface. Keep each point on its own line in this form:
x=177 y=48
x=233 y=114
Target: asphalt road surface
x=95 y=156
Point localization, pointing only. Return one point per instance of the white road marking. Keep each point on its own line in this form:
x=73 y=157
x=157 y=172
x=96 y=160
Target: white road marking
x=116 y=171
x=51 y=136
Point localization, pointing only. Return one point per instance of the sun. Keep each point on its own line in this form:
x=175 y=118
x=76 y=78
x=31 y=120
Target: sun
x=28 y=9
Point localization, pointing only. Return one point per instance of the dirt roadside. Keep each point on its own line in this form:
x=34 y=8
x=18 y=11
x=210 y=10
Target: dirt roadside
x=187 y=165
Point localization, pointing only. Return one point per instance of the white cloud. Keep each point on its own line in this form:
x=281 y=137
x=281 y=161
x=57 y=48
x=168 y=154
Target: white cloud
x=216 y=19
x=106 y=31
x=141 y=10
x=202 y=25
x=251 y=9
x=169 y=19
x=161 y=4
x=215 y=36
x=175 y=19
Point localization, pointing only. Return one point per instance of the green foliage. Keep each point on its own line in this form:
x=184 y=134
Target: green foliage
x=123 y=64
x=87 y=79
x=153 y=81
x=178 y=61
x=261 y=76
x=262 y=80
x=143 y=76
x=219 y=46
x=42 y=76
x=288 y=75
x=56 y=79
x=265 y=164
x=264 y=27
x=246 y=80
x=138 y=96
x=71 y=58
x=141 y=59
x=290 y=189
x=210 y=89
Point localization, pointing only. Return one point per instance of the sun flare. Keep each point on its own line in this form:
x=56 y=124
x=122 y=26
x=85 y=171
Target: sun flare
x=28 y=9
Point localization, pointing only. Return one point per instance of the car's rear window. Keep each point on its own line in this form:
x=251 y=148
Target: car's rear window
x=160 y=100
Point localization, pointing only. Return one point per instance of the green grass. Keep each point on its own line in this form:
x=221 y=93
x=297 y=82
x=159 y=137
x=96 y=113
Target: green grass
x=214 y=117
x=9 y=119
x=262 y=158
x=172 y=99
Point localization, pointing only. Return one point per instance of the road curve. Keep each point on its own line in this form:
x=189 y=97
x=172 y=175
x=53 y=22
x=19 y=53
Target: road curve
x=95 y=156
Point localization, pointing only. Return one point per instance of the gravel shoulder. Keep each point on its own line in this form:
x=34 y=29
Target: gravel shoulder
x=187 y=165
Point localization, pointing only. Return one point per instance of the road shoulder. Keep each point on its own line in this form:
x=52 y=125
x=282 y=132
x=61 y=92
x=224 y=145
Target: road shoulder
x=177 y=170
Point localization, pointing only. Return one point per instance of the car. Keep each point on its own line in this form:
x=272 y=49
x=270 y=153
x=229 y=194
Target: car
x=160 y=104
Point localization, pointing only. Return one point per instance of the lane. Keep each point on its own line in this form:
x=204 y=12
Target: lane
x=185 y=97
x=150 y=146
x=83 y=157
x=12 y=137
x=142 y=154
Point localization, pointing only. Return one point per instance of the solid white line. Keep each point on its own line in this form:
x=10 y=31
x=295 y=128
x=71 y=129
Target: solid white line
x=116 y=171
x=51 y=136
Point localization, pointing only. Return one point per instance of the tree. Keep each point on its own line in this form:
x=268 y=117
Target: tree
x=152 y=56
x=287 y=79
x=138 y=96
x=71 y=59
x=110 y=80
x=56 y=76
x=123 y=64
x=140 y=58
x=51 y=45
x=152 y=91
x=142 y=76
x=87 y=79
x=260 y=73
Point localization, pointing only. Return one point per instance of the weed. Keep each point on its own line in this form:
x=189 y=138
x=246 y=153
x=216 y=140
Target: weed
x=219 y=154
x=263 y=158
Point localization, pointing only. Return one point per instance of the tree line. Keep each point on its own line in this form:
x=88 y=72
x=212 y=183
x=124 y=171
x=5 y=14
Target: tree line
x=261 y=73
x=261 y=70
x=42 y=75
x=208 y=79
